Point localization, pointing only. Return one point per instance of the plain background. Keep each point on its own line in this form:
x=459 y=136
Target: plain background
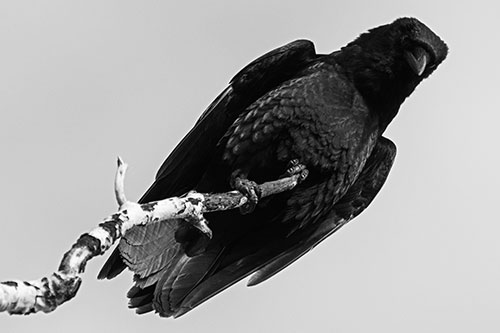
x=84 y=81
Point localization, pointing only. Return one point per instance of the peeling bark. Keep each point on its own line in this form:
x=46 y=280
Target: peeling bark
x=47 y=293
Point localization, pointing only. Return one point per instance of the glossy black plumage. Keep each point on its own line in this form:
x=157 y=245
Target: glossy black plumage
x=328 y=111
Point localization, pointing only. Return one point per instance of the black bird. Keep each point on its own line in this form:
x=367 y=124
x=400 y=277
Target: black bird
x=326 y=111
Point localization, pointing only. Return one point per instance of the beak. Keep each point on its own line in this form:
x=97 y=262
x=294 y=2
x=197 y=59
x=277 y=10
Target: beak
x=418 y=60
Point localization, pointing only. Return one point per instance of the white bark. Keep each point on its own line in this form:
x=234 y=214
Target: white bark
x=47 y=293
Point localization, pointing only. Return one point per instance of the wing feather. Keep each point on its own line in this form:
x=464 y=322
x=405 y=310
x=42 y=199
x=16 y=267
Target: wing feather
x=359 y=196
x=187 y=163
x=273 y=259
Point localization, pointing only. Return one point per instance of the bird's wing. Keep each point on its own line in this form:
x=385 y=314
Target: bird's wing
x=220 y=267
x=145 y=248
x=185 y=165
x=357 y=198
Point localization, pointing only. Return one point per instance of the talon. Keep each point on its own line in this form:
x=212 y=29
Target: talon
x=303 y=175
x=248 y=188
x=295 y=168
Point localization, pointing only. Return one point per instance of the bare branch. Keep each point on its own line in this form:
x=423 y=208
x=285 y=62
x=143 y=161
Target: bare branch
x=47 y=293
x=120 y=182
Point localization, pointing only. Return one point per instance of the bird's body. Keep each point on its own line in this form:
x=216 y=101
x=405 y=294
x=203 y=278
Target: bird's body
x=328 y=112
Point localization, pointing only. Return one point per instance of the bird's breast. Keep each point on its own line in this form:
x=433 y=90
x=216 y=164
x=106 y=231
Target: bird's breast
x=319 y=119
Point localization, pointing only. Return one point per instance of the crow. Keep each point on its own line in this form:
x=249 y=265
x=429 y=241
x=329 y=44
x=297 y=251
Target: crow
x=291 y=108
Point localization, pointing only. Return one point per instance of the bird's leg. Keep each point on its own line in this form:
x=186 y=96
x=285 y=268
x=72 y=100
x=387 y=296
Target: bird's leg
x=295 y=168
x=240 y=182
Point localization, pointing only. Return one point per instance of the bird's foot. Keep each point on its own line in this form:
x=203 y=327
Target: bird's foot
x=248 y=188
x=295 y=168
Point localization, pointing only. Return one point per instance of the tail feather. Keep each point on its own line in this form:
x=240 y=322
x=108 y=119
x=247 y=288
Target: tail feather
x=218 y=282
x=139 y=301
x=138 y=291
x=178 y=282
x=189 y=281
x=144 y=308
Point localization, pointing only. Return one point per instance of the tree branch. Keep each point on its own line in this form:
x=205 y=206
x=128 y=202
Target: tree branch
x=47 y=293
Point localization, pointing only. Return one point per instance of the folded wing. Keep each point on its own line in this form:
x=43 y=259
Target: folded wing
x=148 y=249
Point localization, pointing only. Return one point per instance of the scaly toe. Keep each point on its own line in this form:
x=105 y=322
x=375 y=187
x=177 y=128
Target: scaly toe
x=250 y=190
x=294 y=167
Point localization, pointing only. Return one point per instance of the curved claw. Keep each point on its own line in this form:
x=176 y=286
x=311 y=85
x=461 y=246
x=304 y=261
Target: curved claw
x=303 y=175
x=295 y=168
x=249 y=189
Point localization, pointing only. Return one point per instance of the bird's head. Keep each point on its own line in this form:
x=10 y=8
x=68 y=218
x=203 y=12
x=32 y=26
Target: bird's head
x=405 y=41
x=389 y=61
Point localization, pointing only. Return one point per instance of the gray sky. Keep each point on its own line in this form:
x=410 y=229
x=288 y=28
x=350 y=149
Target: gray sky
x=84 y=81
